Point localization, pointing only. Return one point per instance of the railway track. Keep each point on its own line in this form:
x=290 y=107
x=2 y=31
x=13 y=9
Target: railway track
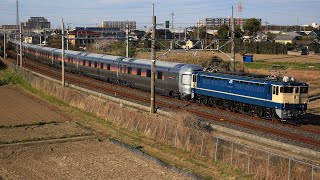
x=174 y=104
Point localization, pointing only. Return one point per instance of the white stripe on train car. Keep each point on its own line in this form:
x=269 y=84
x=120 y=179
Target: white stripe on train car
x=235 y=94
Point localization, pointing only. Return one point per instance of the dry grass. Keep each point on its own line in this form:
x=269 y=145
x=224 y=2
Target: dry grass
x=197 y=57
x=189 y=144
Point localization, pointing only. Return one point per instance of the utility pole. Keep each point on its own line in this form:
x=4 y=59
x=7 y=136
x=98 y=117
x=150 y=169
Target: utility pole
x=153 y=64
x=127 y=40
x=172 y=31
x=17 y=20
x=4 y=44
x=40 y=40
x=17 y=48
x=68 y=37
x=20 y=46
x=62 y=60
x=198 y=30
x=233 y=55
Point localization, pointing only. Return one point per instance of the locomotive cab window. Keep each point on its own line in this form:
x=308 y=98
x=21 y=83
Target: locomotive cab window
x=286 y=90
x=277 y=90
x=296 y=89
x=304 y=90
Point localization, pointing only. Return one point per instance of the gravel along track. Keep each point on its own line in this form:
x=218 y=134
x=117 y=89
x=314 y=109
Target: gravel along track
x=287 y=134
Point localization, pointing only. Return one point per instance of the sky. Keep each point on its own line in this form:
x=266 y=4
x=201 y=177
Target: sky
x=187 y=12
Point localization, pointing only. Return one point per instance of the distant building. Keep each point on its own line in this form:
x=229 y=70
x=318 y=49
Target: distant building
x=215 y=23
x=119 y=24
x=105 y=31
x=10 y=27
x=38 y=23
x=288 y=37
x=97 y=29
x=82 y=38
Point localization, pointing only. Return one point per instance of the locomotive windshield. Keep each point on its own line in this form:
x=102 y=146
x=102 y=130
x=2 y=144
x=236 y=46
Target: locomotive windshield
x=286 y=89
x=304 y=90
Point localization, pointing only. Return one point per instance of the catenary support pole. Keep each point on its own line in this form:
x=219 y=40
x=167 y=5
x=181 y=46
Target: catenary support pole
x=127 y=40
x=233 y=55
x=153 y=64
x=62 y=58
x=20 y=46
x=4 y=44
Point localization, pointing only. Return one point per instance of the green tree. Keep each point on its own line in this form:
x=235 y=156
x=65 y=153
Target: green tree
x=223 y=32
x=252 y=26
x=238 y=32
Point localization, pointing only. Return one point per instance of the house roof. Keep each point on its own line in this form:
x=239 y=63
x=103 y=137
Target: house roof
x=284 y=37
x=292 y=34
x=317 y=32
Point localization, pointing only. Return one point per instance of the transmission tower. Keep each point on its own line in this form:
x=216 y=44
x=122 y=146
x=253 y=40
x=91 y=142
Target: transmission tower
x=240 y=8
x=18 y=21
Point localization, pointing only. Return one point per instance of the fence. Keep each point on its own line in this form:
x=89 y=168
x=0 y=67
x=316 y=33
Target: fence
x=183 y=132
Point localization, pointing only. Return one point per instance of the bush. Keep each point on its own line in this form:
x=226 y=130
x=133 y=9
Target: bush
x=7 y=77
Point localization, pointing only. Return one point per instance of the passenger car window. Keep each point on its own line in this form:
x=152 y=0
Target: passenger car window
x=159 y=75
x=139 y=71
x=101 y=65
x=148 y=73
x=186 y=79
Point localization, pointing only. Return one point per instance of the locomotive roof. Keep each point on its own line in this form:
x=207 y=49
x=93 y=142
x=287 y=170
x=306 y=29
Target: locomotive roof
x=253 y=78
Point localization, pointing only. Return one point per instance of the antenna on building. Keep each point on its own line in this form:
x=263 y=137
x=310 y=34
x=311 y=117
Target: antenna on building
x=240 y=8
x=18 y=21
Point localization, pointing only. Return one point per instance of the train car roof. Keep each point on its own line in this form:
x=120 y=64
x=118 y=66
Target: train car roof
x=109 y=57
x=74 y=53
x=92 y=56
x=47 y=48
x=147 y=62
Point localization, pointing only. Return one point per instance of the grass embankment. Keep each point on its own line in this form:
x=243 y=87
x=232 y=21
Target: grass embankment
x=199 y=165
x=285 y=65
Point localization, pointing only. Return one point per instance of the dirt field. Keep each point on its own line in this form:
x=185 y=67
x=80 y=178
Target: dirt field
x=18 y=107
x=39 y=142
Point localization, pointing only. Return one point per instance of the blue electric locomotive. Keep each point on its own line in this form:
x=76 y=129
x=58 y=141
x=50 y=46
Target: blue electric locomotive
x=262 y=96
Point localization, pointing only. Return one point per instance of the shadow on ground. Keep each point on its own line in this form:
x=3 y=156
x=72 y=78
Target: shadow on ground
x=312 y=119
